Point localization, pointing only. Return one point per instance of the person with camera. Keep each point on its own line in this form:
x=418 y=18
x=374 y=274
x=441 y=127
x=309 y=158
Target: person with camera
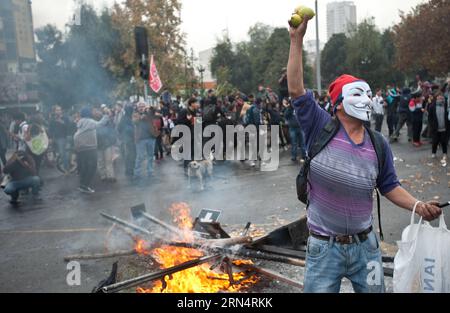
x=341 y=180
x=22 y=173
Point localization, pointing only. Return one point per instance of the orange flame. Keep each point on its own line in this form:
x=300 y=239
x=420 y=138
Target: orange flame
x=140 y=247
x=200 y=279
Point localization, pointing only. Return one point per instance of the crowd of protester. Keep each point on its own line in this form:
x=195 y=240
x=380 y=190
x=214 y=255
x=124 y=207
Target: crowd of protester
x=89 y=141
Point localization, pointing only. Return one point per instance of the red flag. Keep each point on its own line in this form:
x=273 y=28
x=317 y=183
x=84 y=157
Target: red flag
x=155 y=81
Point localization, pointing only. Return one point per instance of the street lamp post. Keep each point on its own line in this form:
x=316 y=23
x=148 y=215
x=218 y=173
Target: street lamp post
x=134 y=86
x=202 y=70
x=186 y=83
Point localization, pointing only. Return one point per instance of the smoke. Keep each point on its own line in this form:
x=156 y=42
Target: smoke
x=73 y=64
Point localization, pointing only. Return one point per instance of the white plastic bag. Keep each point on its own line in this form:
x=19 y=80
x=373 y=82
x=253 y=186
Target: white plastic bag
x=39 y=143
x=422 y=263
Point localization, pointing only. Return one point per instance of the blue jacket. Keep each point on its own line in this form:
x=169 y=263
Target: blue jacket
x=290 y=117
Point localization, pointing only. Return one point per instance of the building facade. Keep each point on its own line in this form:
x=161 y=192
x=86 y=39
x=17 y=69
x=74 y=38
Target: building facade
x=341 y=16
x=18 y=80
x=204 y=60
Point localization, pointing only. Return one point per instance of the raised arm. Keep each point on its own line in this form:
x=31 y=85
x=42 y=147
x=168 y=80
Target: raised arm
x=295 y=64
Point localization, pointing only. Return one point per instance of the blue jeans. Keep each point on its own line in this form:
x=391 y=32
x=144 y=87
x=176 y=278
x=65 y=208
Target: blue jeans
x=62 y=151
x=297 y=141
x=13 y=187
x=145 y=151
x=328 y=262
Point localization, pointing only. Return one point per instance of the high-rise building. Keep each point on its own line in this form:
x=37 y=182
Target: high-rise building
x=16 y=35
x=17 y=54
x=340 y=17
x=204 y=61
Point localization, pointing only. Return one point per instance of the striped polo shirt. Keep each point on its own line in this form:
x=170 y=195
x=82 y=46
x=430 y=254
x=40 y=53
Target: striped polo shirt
x=342 y=176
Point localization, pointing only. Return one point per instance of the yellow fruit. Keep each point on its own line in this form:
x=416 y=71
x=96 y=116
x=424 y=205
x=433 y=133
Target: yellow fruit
x=296 y=20
x=305 y=11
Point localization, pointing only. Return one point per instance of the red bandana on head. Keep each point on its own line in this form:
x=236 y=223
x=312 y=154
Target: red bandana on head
x=355 y=95
x=336 y=86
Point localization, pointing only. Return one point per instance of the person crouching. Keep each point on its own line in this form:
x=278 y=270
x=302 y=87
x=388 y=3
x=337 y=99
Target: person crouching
x=22 y=170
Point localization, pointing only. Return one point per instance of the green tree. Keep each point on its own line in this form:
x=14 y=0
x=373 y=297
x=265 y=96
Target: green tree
x=224 y=87
x=257 y=61
x=88 y=47
x=73 y=67
x=392 y=74
x=223 y=56
x=51 y=71
x=242 y=69
x=366 y=57
x=333 y=58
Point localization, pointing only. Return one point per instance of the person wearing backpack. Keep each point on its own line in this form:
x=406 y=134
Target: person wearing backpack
x=346 y=163
x=392 y=99
x=404 y=115
x=145 y=136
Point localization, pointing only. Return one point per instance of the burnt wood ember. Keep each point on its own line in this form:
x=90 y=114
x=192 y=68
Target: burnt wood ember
x=112 y=278
x=158 y=275
x=284 y=245
x=273 y=275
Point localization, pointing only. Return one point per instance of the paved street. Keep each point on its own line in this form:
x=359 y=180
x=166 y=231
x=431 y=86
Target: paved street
x=35 y=238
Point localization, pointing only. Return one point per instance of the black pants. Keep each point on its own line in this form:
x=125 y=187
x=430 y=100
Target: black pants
x=87 y=167
x=159 y=152
x=417 y=124
x=129 y=158
x=392 y=119
x=2 y=157
x=378 y=121
x=440 y=138
x=38 y=161
x=404 y=117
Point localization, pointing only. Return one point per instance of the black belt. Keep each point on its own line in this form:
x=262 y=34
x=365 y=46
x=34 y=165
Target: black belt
x=346 y=240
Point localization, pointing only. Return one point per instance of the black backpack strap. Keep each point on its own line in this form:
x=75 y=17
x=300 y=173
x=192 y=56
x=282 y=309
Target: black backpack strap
x=379 y=145
x=323 y=139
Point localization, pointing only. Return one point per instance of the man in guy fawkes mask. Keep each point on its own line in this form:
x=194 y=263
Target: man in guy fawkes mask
x=355 y=96
x=351 y=163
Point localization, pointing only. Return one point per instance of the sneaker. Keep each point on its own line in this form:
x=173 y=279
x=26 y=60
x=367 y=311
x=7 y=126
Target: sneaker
x=14 y=201
x=433 y=156
x=252 y=163
x=90 y=190
x=86 y=190
x=37 y=198
x=83 y=189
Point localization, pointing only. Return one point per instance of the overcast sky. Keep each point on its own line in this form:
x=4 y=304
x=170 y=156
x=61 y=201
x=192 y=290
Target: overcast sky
x=206 y=20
